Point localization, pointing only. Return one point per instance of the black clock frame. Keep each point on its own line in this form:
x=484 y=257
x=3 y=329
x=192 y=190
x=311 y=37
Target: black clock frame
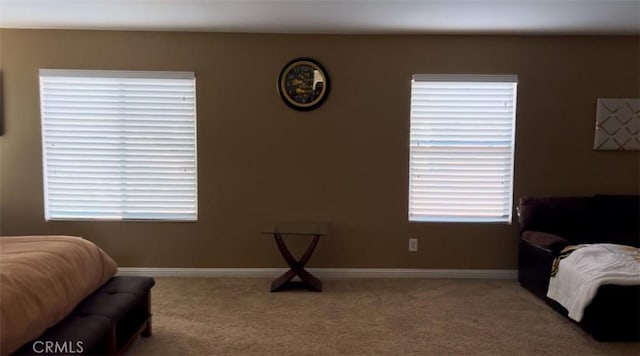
x=282 y=87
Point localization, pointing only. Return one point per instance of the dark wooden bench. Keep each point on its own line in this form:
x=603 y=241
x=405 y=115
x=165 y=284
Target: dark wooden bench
x=105 y=323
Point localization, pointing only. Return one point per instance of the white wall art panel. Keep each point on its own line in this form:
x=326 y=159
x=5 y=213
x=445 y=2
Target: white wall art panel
x=617 y=125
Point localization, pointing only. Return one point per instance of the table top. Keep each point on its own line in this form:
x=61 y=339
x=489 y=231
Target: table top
x=297 y=228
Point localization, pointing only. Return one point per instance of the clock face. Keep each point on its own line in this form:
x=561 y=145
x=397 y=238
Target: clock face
x=303 y=84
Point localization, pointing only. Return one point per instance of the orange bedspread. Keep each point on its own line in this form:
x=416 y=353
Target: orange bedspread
x=42 y=278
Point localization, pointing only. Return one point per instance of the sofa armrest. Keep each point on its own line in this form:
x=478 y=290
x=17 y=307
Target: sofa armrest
x=536 y=253
x=545 y=240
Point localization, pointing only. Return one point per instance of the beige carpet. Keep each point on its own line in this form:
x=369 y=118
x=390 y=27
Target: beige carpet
x=239 y=316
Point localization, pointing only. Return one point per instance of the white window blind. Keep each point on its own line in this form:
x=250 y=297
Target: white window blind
x=461 y=148
x=119 y=145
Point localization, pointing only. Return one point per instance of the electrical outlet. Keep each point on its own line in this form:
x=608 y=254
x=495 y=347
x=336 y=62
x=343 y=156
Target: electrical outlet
x=413 y=245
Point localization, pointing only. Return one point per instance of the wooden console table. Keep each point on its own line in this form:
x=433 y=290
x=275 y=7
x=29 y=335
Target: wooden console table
x=296 y=267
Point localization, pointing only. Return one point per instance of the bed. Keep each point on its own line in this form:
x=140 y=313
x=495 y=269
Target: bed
x=62 y=289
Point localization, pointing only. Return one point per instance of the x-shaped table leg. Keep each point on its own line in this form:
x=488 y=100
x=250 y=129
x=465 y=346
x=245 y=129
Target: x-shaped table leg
x=296 y=267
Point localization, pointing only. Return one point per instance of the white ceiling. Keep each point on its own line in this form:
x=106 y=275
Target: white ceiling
x=331 y=16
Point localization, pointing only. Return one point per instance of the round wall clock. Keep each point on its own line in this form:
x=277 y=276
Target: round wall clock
x=303 y=84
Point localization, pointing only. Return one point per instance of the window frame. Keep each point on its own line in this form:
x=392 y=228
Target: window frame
x=124 y=215
x=507 y=197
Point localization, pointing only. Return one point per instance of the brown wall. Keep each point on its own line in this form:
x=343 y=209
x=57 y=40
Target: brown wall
x=345 y=162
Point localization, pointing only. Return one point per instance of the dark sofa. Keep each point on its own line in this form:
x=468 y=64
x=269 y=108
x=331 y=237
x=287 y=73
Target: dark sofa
x=548 y=224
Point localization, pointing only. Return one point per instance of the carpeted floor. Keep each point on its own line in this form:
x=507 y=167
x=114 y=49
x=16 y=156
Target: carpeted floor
x=239 y=316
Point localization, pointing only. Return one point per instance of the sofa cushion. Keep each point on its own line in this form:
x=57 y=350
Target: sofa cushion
x=567 y=217
x=601 y=218
x=616 y=218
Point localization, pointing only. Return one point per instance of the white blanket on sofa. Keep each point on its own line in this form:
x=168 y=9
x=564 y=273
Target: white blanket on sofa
x=588 y=267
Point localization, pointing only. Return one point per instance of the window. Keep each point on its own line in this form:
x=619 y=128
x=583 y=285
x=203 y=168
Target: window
x=118 y=145
x=461 y=148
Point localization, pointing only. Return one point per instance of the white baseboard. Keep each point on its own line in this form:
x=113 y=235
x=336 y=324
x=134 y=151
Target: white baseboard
x=322 y=272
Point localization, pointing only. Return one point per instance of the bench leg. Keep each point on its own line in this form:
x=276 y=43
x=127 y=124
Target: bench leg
x=147 y=330
x=112 y=341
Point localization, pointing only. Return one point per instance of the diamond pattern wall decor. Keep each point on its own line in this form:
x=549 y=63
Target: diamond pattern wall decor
x=617 y=125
